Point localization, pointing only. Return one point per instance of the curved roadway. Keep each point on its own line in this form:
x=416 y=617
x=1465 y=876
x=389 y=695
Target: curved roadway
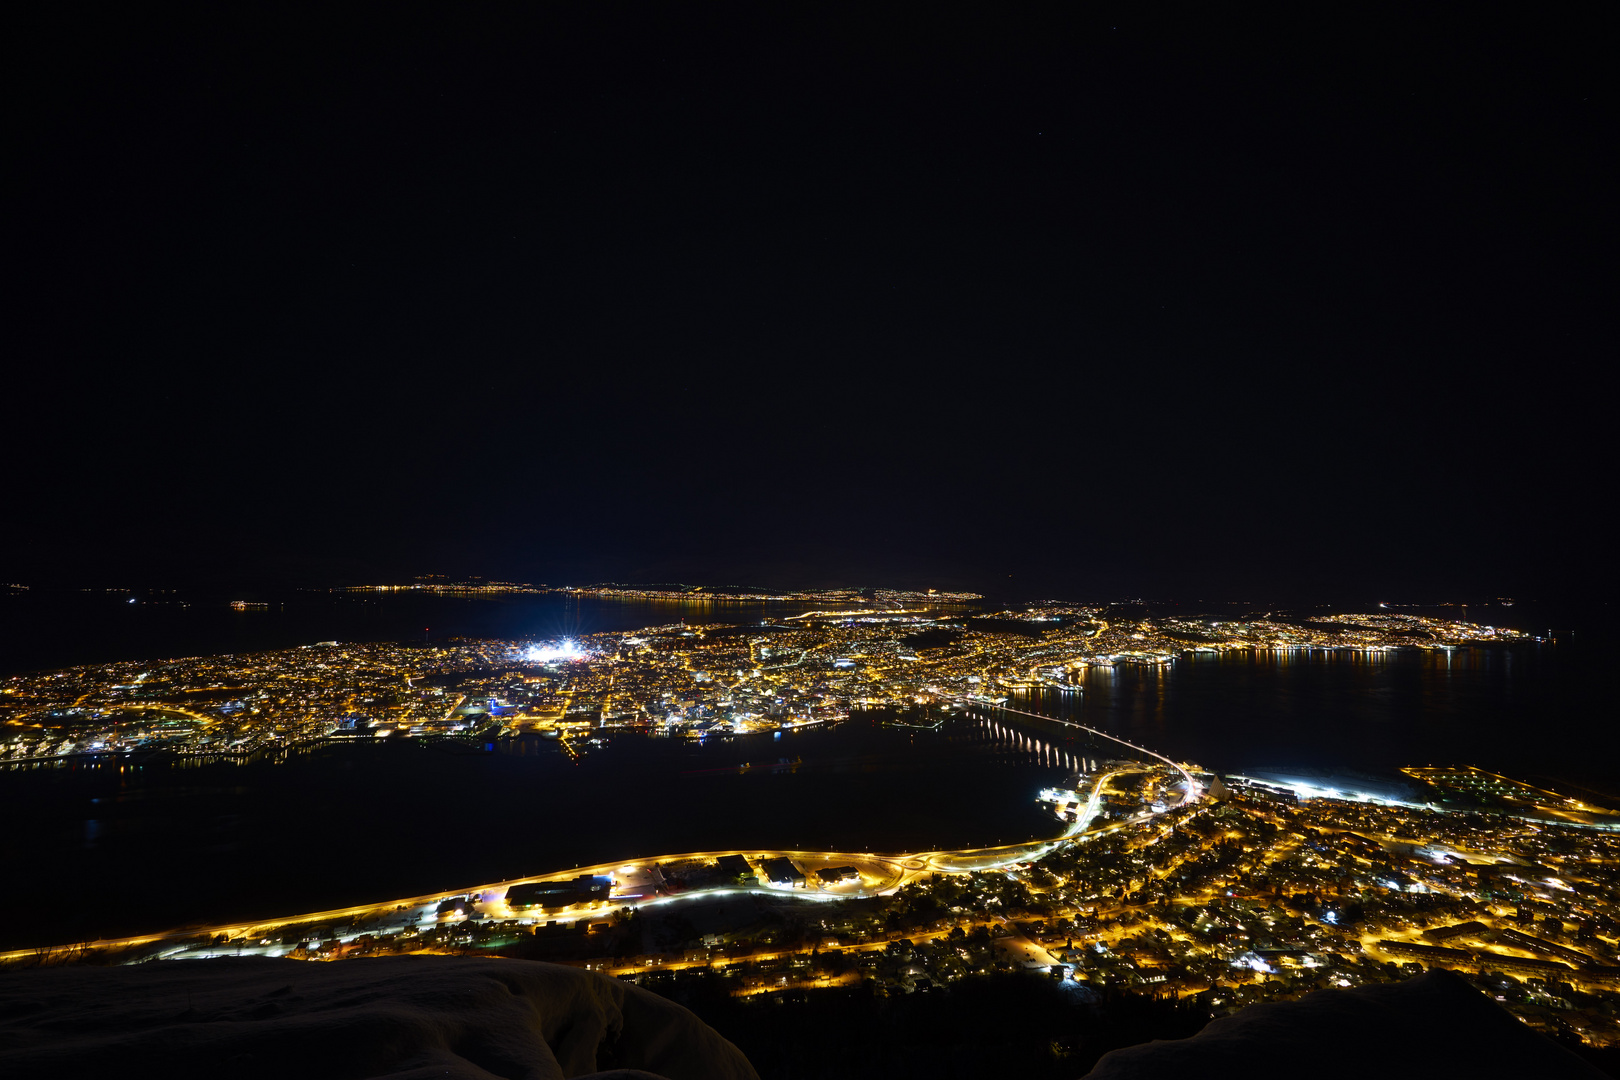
x=878 y=873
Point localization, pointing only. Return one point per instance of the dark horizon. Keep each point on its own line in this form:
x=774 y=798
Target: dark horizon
x=1069 y=305
x=258 y=585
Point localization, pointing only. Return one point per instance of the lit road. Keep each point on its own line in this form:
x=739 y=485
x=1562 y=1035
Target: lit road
x=878 y=874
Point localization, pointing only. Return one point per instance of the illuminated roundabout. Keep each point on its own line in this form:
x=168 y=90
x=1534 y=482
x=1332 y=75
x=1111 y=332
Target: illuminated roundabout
x=879 y=874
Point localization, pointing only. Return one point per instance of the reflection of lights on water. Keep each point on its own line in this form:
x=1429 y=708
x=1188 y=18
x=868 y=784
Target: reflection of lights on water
x=566 y=649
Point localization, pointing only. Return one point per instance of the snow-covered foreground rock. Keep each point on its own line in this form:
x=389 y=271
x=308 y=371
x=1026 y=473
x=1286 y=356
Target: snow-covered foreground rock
x=407 y=1016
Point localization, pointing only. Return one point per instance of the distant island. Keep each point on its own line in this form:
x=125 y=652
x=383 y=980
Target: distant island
x=690 y=679
x=677 y=592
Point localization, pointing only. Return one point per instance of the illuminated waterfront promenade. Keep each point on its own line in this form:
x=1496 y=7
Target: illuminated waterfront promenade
x=633 y=887
x=636 y=884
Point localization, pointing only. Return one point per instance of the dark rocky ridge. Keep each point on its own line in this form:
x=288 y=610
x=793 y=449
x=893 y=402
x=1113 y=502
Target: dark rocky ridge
x=1431 y=1025
x=463 y=1018
x=397 y=1017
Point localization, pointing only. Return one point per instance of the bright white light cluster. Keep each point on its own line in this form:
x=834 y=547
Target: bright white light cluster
x=555 y=652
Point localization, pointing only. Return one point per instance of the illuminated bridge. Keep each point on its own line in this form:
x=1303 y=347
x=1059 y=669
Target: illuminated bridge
x=1194 y=791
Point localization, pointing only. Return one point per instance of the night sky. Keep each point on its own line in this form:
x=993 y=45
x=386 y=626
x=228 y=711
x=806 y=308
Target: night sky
x=1120 y=305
